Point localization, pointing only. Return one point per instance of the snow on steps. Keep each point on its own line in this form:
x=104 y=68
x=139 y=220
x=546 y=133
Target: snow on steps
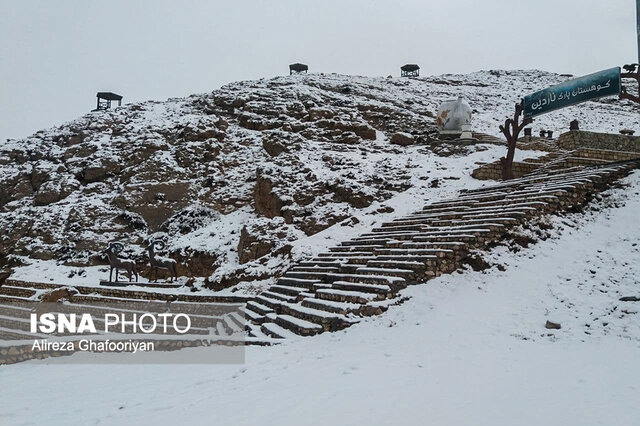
x=362 y=276
x=331 y=290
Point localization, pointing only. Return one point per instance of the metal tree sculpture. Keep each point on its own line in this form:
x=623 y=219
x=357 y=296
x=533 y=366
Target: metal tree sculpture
x=631 y=71
x=511 y=130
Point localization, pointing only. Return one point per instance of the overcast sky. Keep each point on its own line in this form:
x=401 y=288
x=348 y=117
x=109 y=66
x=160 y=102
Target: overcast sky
x=56 y=54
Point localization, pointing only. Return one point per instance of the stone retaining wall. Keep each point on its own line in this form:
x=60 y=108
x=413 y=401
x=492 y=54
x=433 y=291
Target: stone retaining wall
x=580 y=139
x=604 y=154
x=493 y=171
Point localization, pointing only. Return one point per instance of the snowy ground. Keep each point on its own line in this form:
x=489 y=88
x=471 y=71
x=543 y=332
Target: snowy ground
x=467 y=348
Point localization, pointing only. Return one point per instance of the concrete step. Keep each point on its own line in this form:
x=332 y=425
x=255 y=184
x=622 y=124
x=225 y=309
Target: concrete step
x=315 y=269
x=261 y=309
x=364 y=275
x=321 y=263
x=381 y=241
x=455 y=246
x=329 y=321
x=26 y=293
x=273 y=300
x=425 y=252
x=14 y=324
x=347 y=296
x=298 y=326
x=286 y=290
x=297 y=282
x=274 y=330
x=15 y=311
x=361 y=247
x=343 y=308
x=341 y=254
x=254 y=317
x=384 y=290
x=414 y=265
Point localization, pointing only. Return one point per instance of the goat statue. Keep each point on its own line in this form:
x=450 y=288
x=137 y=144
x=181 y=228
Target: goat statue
x=129 y=266
x=158 y=262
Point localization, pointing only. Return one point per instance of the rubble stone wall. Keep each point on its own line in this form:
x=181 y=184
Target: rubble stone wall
x=580 y=139
x=493 y=171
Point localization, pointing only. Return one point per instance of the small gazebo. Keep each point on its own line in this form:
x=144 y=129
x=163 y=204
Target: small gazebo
x=105 y=98
x=297 y=68
x=410 y=70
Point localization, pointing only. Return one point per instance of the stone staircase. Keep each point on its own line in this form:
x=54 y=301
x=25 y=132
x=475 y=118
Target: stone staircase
x=18 y=299
x=364 y=276
x=358 y=278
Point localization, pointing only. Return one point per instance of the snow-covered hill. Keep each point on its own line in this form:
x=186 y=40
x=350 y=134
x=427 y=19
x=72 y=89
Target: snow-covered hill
x=467 y=348
x=279 y=167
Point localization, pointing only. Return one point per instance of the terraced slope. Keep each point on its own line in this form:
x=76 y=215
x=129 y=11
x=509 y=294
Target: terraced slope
x=358 y=278
x=226 y=326
x=363 y=276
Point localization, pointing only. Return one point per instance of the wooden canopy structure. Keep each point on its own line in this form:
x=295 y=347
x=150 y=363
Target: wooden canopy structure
x=298 y=67
x=410 y=70
x=105 y=99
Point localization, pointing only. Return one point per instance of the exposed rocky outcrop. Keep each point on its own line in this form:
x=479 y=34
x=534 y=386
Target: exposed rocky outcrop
x=304 y=152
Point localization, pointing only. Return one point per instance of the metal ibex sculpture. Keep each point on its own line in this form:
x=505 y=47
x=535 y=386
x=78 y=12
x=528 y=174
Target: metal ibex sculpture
x=158 y=262
x=129 y=266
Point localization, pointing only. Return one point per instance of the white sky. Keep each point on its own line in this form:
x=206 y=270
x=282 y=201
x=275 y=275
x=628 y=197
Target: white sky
x=56 y=54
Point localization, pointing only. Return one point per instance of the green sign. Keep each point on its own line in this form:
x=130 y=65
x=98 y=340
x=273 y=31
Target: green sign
x=572 y=92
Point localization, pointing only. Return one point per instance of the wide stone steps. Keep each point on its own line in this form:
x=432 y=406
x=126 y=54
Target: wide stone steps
x=379 y=289
x=276 y=331
x=347 y=296
x=342 y=308
x=358 y=276
x=7 y=290
x=298 y=326
x=254 y=306
x=297 y=282
x=19 y=298
x=363 y=276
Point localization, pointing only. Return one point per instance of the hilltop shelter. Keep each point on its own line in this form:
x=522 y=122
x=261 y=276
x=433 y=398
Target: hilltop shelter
x=297 y=68
x=105 y=98
x=410 y=70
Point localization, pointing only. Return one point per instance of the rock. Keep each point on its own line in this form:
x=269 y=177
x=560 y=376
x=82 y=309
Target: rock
x=189 y=219
x=365 y=132
x=344 y=194
x=266 y=201
x=156 y=202
x=273 y=146
x=55 y=296
x=402 y=139
x=349 y=138
x=238 y=102
x=476 y=262
x=21 y=189
x=99 y=171
x=39 y=175
x=552 y=325
x=319 y=113
x=222 y=124
x=196 y=134
x=53 y=191
x=252 y=246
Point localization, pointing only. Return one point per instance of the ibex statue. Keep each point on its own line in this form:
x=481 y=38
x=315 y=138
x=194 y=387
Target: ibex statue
x=158 y=262
x=129 y=266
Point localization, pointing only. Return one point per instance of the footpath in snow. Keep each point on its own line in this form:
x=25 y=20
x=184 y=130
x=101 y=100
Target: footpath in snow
x=467 y=348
